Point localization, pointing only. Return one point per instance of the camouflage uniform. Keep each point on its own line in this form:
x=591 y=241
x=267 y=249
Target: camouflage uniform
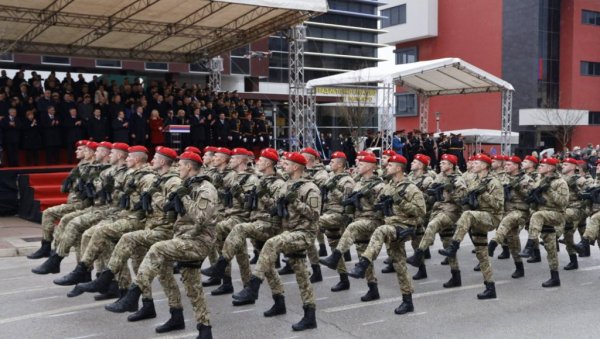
x=575 y=212
x=191 y=243
x=366 y=220
x=319 y=175
x=482 y=219
x=216 y=178
x=423 y=182
x=408 y=211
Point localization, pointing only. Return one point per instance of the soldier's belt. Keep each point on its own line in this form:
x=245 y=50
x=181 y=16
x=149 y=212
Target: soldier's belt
x=548 y=229
x=296 y=255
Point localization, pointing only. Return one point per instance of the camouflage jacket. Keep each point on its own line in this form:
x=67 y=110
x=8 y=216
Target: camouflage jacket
x=304 y=205
x=163 y=186
x=369 y=189
x=516 y=191
x=455 y=189
x=267 y=190
x=407 y=201
x=318 y=174
x=577 y=184
x=238 y=184
x=200 y=207
x=556 y=195
x=337 y=188
x=491 y=196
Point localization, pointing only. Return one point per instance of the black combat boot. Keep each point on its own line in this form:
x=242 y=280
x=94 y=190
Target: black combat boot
x=519 y=270
x=127 y=303
x=176 y=322
x=217 y=270
x=278 y=307
x=249 y=294
x=204 y=331
x=277 y=262
x=528 y=250
x=489 y=292
x=80 y=274
x=347 y=256
x=43 y=252
x=322 y=250
x=505 y=253
x=254 y=259
x=389 y=268
x=572 y=265
x=451 y=250
x=583 y=248
x=406 y=306
x=387 y=261
x=360 y=268
x=421 y=273
x=225 y=288
x=75 y=292
x=492 y=247
x=211 y=282
x=477 y=268
x=332 y=260
x=316 y=275
x=417 y=258
x=372 y=293
x=535 y=257
x=308 y=321
x=287 y=269
x=146 y=312
x=554 y=280
x=455 y=280
x=445 y=262
x=100 y=284
x=111 y=293
x=51 y=265
x=343 y=284
x=427 y=253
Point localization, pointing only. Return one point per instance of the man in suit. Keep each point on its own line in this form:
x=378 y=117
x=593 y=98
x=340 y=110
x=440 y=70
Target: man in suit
x=11 y=126
x=51 y=127
x=97 y=127
x=138 y=127
x=74 y=131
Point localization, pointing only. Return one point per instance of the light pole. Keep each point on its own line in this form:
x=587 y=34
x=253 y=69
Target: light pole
x=437 y=122
x=275 y=127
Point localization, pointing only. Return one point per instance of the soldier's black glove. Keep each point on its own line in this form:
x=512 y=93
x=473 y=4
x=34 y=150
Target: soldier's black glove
x=124 y=201
x=90 y=190
x=183 y=191
x=146 y=201
x=169 y=205
x=66 y=185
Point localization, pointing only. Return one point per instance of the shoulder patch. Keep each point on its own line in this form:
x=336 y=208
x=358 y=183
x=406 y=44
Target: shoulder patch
x=203 y=203
x=313 y=202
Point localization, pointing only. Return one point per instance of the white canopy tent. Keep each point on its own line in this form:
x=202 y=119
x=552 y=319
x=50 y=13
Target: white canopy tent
x=448 y=76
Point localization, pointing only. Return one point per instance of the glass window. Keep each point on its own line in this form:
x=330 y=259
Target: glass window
x=7 y=57
x=108 y=63
x=199 y=67
x=590 y=68
x=241 y=51
x=157 y=66
x=55 y=60
x=240 y=65
x=394 y=16
x=406 y=104
x=590 y=17
x=594 y=118
x=406 y=55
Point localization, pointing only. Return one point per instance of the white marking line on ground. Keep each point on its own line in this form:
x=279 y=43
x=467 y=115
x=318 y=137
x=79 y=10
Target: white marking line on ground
x=29 y=290
x=181 y=336
x=46 y=298
x=242 y=311
x=62 y=314
x=397 y=299
x=416 y=314
x=429 y=282
x=587 y=283
x=85 y=336
x=591 y=268
x=159 y=300
x=323 y=298
x=296 y=336
x=373 y=322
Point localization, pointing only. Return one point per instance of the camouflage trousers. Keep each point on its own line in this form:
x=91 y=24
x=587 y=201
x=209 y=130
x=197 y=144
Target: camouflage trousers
x=420 y=231
x=592 y=227
x=546 y=223
x=442 y=223
x=134 y=245
x=509 y=229
x=359 y=233
x=477 y=224
x=159 y=262
x=573 y=217
x=74 y=225
x=52 y=215
x=223 y=229
x=107 y=234
x=333 y=225
x=235 y=243
x=386 y=234
x=292 y=244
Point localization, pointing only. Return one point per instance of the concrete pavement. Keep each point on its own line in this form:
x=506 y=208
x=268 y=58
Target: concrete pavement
x=18 y=237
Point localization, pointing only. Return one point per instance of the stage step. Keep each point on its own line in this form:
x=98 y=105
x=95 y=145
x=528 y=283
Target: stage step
x=40 y=179
x=49 y=202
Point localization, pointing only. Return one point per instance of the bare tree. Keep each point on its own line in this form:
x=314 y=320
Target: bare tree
x=562 y=123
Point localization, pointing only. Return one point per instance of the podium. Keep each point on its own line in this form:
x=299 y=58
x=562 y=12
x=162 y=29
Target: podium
x=175 y=135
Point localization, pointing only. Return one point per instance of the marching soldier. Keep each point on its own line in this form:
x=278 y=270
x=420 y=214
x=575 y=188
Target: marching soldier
x=498 y=170
x=548 y=199
x=403 y=208
x=485 y=200
x=516 y=213
x=529 y=166
x=591 y=194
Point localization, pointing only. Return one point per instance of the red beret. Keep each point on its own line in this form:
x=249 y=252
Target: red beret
x=550 y=161
x=423 y=158
x=120 y=146
x=192 y=149
x=239 y=151
x=210 y=149
x=338 y=155
x=514 y=159
x=270 y=154
x=134 y=149
x=484 y=158
x=191 y=156
x=91 y=145
x=365 y=154
x=498 y=157
x=167 y=152
x=451 y=158
x=580 y=162
x=105 y=144
x=471 y=158
x=571 y=161
x=398 y=158
x=296 y=157
x=223 y=150
x=532 y=159
x=81 y=143
x=389 y=152
x=311 y=151
x=368 y=158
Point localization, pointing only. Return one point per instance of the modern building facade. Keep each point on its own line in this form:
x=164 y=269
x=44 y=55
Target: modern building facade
x=547 y=49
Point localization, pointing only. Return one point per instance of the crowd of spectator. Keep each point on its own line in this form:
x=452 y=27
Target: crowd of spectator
x=51 y=114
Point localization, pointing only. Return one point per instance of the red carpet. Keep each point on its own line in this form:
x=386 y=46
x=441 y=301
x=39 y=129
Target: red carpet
x=46 y=188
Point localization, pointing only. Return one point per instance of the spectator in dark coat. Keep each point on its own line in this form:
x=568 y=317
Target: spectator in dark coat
x=51 y=127
x=198 y=129
x=221 y=131
x=86 y=108
x=74 y=131
x=120 y=128
x=11 y=129
x=138 y=127
x=32 y=139
x=97 y=127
